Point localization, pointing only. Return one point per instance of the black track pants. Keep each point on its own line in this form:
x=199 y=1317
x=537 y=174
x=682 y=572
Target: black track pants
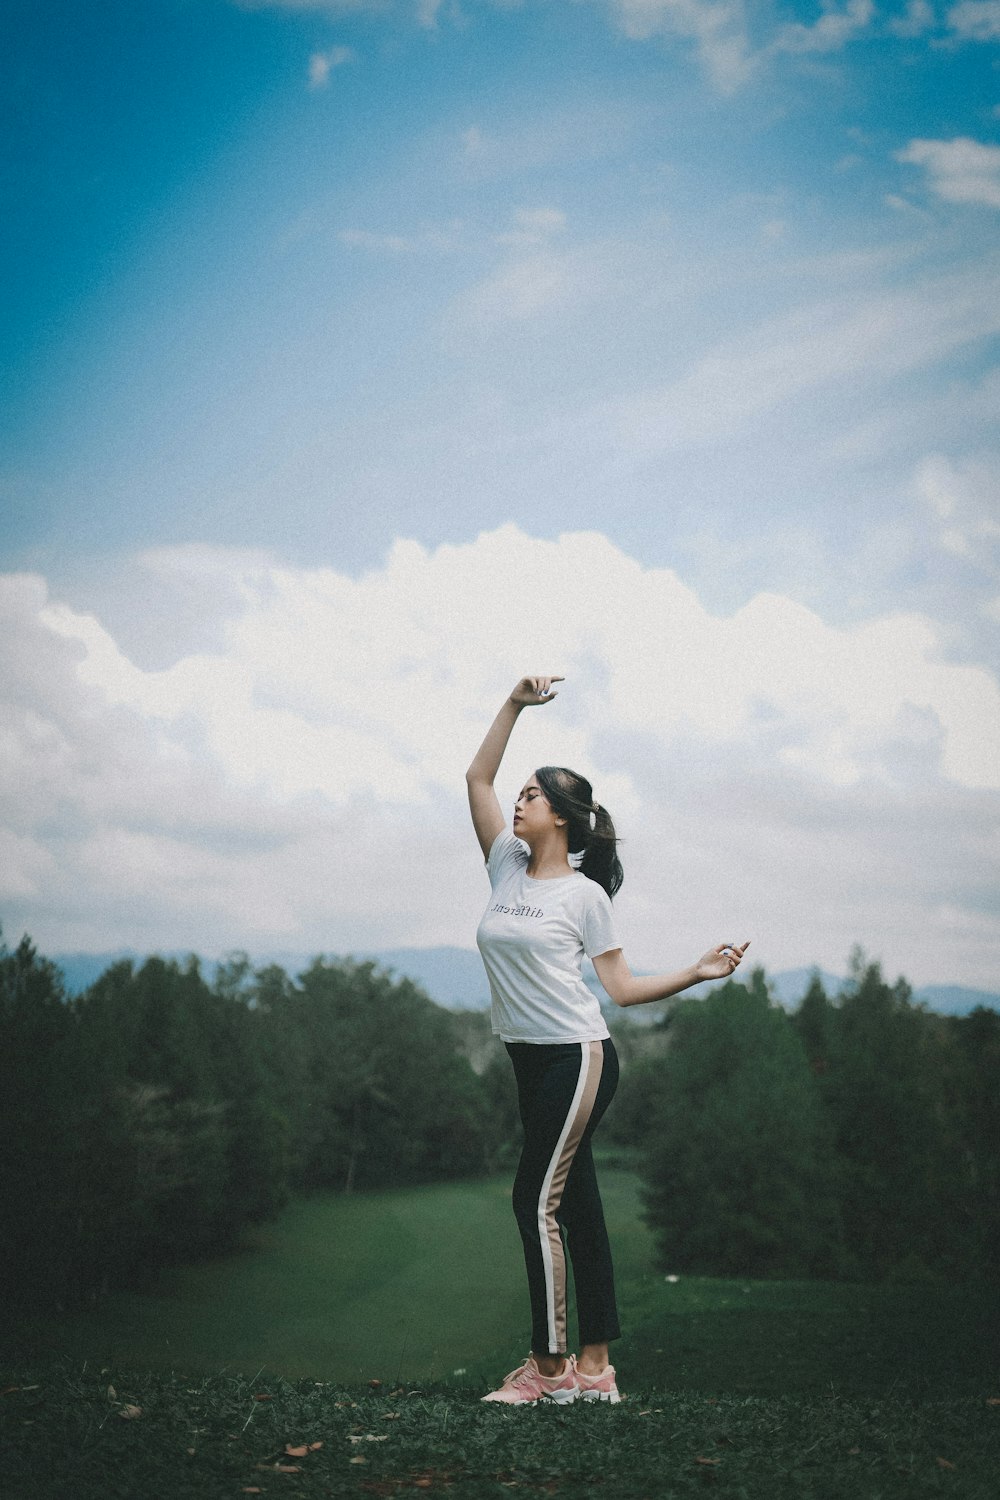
x=562 y=1093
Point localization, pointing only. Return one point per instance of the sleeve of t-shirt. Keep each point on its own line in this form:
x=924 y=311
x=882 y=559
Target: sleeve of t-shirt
x=507 y=851
x=599 y=931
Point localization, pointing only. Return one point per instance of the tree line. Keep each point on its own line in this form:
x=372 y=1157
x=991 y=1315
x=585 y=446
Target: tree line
x=855 y=1137
x=156 y=1117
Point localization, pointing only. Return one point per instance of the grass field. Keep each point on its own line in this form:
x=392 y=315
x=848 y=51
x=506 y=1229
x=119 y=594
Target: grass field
x=416 y=1283
x=756 y=1389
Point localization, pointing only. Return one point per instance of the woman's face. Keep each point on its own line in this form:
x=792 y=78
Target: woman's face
x=533 y=814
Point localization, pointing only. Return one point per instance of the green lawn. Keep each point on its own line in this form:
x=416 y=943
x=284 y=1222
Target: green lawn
x=420 y=1282
x=427 y=1284
x=761 y=1390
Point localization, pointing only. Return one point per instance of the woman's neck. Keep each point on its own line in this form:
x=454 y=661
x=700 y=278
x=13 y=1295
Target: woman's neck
x=549 y=859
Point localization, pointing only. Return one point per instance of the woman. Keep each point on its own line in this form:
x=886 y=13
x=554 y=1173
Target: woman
x=545 y=912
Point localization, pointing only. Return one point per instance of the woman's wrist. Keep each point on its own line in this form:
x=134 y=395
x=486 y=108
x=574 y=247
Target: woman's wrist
x=682 y=980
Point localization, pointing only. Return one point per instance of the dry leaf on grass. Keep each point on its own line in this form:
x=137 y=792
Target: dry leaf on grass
x=130 y=1411
x=943 y=1463
x=706 y=1460
x=357 y=1459
x=263 y=1398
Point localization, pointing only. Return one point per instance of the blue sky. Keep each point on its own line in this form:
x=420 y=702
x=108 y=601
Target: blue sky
x=300 y=295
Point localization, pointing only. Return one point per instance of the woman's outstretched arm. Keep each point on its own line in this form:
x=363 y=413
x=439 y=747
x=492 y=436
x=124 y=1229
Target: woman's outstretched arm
x=626 y=988
x=487 y=819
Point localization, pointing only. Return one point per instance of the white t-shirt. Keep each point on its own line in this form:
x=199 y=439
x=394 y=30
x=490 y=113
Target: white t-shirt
x=532 y=937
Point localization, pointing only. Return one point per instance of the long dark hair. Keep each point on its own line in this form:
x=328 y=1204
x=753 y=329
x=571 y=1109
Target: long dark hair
x=572 y=797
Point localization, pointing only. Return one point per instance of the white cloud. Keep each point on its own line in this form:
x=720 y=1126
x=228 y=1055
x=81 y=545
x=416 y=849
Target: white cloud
x=334 y=8
x=284 y=785
x=854 y=340
x=961 y=170
x=322 y=64
x=717 y=27
x=964 y=499
x=432 y=240
x=534 y=226
x=834 y=29
x=536 y=285
x=975 y=20
x=917 y=18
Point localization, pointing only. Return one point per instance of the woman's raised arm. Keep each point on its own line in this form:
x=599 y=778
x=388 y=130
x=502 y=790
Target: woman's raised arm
x=487 y=819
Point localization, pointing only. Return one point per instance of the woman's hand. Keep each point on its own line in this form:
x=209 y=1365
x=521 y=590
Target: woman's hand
x=720 y=962
x=531 y=691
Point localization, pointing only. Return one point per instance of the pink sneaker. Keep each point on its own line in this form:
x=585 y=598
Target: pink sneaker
x=526 y=1385
x=598 y=1387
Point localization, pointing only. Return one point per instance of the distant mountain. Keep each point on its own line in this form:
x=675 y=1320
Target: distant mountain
x=455 y=977
x=790 y=985
x=955 y=999
x=81 y=969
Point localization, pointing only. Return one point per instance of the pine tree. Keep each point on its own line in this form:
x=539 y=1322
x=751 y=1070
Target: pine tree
x=736 y=1166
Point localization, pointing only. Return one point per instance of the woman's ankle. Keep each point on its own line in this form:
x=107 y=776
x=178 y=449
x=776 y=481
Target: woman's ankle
x=593 y=1359
x=550 y=1365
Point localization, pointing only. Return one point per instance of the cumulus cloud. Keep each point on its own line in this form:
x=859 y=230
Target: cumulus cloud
x=916 y=19
x=961 y=170
x=718 y=28
x=301 y=782
x=975 y=20
x=832 y=31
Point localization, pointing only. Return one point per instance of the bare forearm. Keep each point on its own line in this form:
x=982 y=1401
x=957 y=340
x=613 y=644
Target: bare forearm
x=486 y=762
x=641 y=989
x=626 y=988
